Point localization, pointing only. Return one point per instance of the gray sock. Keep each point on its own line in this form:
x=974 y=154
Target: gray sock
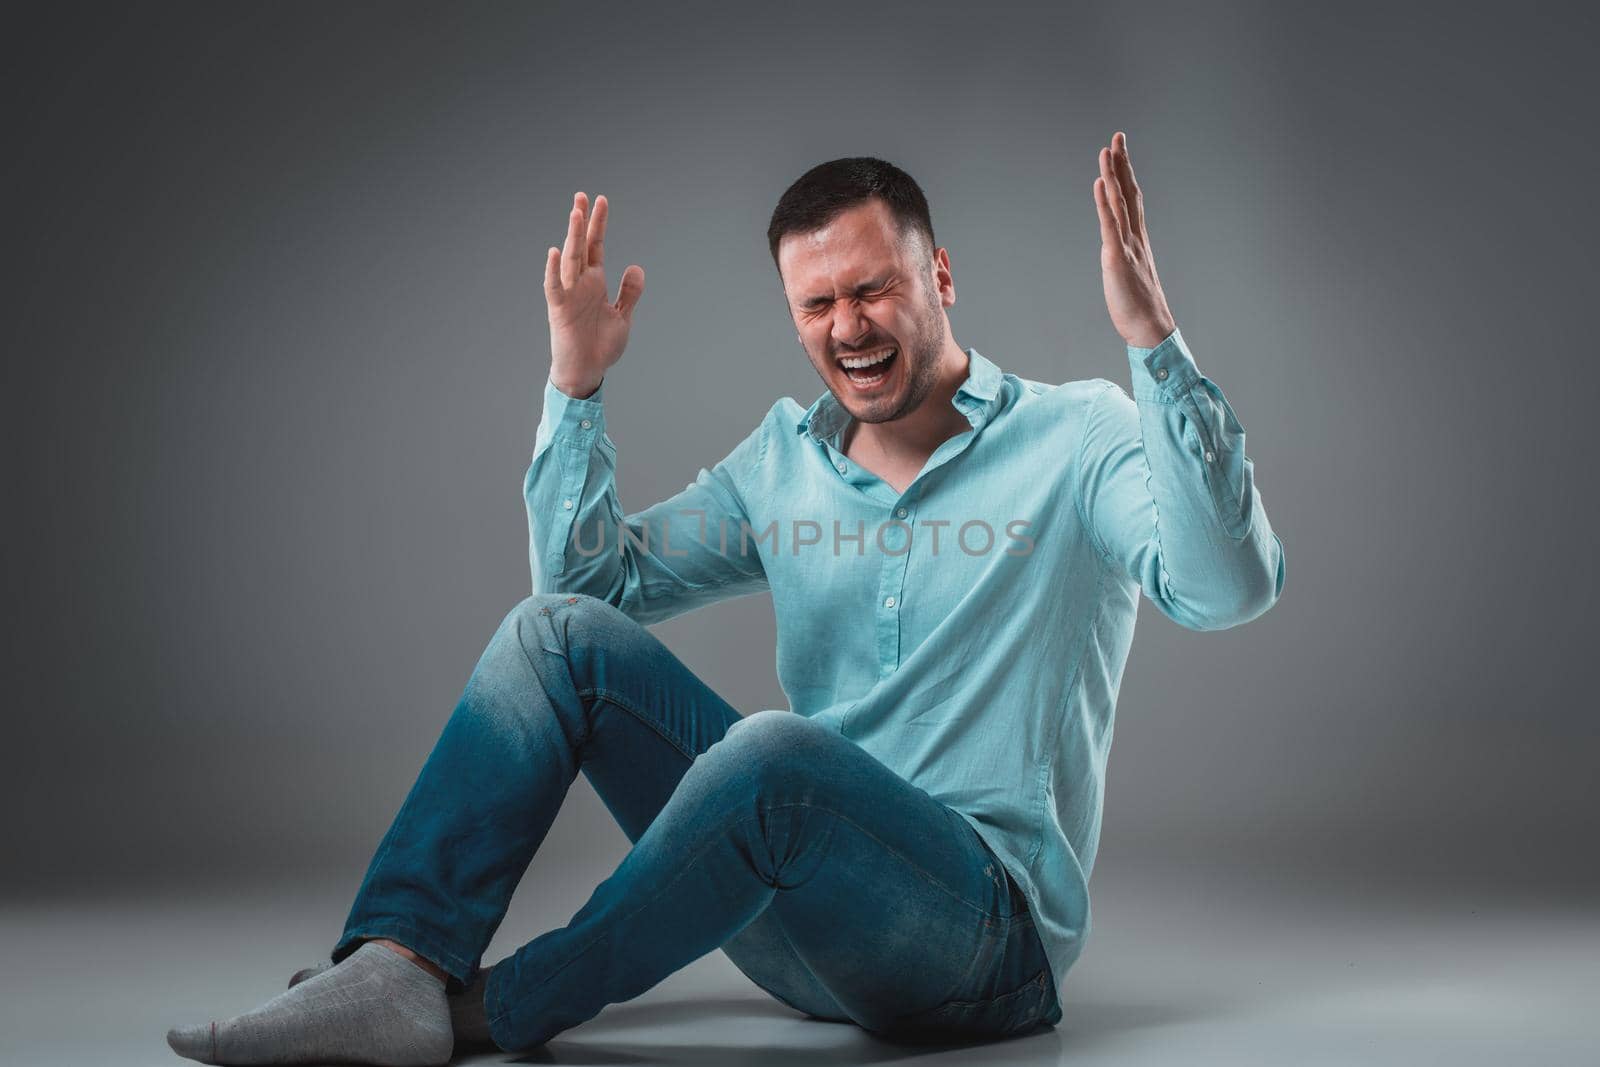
x=374 y=1007
x=469 y=1018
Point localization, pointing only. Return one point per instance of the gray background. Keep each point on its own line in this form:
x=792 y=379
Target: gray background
x=275 y=340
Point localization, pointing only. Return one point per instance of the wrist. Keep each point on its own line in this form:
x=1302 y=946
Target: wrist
x=1150 y=334
x=576 y=388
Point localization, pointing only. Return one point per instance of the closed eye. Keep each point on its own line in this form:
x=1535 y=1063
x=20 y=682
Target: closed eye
x=870 y=291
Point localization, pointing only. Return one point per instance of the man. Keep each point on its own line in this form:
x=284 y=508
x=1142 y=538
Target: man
x=954 y=555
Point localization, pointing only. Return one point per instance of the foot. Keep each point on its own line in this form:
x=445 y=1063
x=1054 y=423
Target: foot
x=374 y=1007
x=469 y=1019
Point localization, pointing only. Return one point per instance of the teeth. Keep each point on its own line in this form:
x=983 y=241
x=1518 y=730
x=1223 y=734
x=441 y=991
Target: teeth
x=857 y=362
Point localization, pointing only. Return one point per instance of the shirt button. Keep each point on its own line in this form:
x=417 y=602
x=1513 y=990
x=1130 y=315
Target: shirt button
x=1211 y=457
x=585 y=424
x=900 y=513
x=888 y=602
x=1161 y=374
x=840 y=465
x=567 y=504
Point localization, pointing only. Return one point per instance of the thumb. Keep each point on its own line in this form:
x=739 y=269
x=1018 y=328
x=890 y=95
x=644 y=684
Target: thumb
x=630 y=290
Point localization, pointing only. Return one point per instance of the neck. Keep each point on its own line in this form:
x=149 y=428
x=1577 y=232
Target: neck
x=936 y=420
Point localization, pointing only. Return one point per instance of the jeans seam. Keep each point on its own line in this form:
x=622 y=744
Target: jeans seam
x=987 y=936
x=620 y=701
x=605 y=694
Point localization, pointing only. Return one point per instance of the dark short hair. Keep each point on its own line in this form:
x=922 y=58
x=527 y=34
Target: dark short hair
x=819 y=195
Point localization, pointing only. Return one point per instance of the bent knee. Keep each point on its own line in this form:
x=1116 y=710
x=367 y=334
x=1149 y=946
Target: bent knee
x=775 y=727
x=572 y=607
x=579 y=628
x=775 y=745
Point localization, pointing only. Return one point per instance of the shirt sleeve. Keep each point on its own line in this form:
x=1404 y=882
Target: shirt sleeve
x=1168 y=493
x=663 y=561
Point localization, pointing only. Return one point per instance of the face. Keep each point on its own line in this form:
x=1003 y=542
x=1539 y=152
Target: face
x=859 y=291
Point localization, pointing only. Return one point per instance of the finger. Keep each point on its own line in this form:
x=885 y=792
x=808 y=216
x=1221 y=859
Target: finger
x=1119 y=209
x=572 y=251
x=552 y=270
x=1108 y=224
x=1113 y=193
x=597 y=232
x=1132 y=195
x=631 y=289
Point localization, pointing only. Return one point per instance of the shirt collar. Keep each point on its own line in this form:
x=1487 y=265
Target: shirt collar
x=976 y=398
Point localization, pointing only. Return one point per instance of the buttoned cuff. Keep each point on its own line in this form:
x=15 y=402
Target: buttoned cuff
x=1163 y=373
x=578 y=422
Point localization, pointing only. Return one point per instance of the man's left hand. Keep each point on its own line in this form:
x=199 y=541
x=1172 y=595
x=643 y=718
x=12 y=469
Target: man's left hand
x=1133 y=291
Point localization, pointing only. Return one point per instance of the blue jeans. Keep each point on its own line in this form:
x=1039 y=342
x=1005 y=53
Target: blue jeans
x=831 y=882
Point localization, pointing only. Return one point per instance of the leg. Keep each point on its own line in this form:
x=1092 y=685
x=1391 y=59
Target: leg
x=888 y=896
x=566 y=682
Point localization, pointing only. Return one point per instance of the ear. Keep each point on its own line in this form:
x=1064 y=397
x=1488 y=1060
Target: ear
x=943 y=280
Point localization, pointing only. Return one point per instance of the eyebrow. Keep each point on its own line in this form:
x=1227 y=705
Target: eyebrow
x=865 y=287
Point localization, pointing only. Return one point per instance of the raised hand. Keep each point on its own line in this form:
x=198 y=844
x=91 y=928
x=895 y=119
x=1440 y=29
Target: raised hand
x=1134 y=298
x=587 y=331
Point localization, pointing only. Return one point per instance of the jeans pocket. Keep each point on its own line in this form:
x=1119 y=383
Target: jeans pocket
x=1013 y=1012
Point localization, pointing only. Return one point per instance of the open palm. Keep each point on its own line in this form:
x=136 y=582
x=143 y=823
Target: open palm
x=587 y=331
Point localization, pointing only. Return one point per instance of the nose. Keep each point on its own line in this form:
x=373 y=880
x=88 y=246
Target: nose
x=849 y=325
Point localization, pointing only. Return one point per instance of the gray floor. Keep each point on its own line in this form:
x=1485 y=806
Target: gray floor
x=1186 y=965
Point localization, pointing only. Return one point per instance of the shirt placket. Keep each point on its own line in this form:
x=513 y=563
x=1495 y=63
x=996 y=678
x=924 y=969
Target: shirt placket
x=892 y=581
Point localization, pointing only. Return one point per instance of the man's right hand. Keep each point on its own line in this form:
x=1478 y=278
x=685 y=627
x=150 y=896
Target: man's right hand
x=587 y=332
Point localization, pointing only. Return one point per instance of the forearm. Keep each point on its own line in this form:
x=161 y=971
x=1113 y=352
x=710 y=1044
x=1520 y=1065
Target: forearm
x=1195 y=532
x=569 y=492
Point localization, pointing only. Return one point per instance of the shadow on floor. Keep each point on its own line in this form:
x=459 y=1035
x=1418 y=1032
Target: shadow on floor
x=804 y=1041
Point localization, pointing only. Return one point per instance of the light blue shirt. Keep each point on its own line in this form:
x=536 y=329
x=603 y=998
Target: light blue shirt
x=970 y=632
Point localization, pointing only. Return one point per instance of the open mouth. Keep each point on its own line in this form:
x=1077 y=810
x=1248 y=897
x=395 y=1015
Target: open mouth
x=869 y=369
